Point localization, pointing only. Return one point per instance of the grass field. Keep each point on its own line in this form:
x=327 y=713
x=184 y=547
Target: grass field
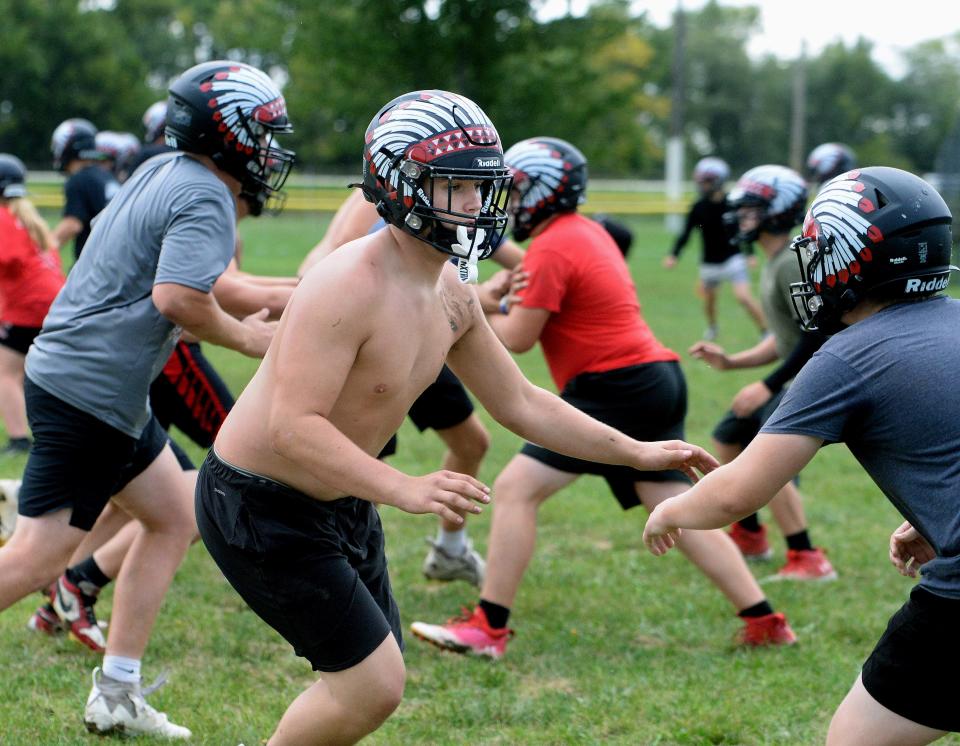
x=613 y=645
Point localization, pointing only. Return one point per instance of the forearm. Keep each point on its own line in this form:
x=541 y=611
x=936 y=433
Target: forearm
x=314 y=444
x=763 y=353
x=239 y=297
x=717 y=500
x=547 y=420
x=200 y=315
x=67 y=229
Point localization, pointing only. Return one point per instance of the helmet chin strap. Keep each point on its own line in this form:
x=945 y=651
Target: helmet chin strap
x=467 y=269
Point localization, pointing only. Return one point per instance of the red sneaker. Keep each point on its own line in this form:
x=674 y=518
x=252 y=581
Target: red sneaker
x=753 y=545
x=469 y=633
x=75 y=609
x=806 y=564
x=45 y=620
x=772 y=629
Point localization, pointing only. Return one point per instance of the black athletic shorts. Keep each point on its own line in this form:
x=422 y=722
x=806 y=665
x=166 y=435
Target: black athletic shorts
x=733 y=430
x=315 y=571
x=444 y=403
x=913 y=668
x=17 y=338
x=78 y=461
x=647 y=402
x=190 y=394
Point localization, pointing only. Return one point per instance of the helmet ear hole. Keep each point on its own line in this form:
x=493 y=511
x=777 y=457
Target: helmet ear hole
x=882 y=200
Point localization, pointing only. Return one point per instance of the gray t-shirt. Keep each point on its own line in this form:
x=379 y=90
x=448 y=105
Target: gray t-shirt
x=887 y=387
x=103 y=340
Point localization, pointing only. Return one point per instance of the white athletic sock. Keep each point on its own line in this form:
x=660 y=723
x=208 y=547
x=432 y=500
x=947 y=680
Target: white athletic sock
x=120 y=668
x=453 y=543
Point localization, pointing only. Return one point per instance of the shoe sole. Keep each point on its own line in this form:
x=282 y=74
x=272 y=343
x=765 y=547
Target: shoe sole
x=762 y=557
x=778 y=578
x=447 y=579
x=455 y=647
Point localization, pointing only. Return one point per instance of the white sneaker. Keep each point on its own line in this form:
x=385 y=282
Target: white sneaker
x=439 y=565
x=710 y=333
x=9 y=490
x=120 y=707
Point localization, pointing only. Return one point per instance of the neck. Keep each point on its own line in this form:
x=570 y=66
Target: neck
x=543 y=226
x=773 y=243
x=864 y=310
x=417 y=259
x=232 y=184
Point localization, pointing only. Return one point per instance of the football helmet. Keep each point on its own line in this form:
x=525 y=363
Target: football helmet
x=710 y=173
x=232 y=112
x=779 y=192
x=73 y=140
x=828 y=160
x=417 y=148
x=549 y=177
x=13 y=175
x=119 y=147
x=154 y=120
x=869 y=229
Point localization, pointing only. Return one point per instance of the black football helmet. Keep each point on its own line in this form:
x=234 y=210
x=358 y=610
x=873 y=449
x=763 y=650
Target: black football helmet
x=13 y=177
x=828 y=160
x=417 y=146
x=779 y=192
x=549 y=177
x=74 y=140
x=232 y=113
x=869 y=229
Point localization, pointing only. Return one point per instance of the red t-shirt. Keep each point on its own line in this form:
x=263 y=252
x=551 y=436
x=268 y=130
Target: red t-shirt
x=579 y=275
x=29 y=280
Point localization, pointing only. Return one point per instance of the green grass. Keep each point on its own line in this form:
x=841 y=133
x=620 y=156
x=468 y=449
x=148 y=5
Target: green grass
x=612 y=646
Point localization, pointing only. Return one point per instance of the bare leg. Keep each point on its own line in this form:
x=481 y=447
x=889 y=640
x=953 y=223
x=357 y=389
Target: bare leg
x=787 y=509
x=345 y=706
x=713 y=552
x=111 y=520
x=36 y=554
x=741 y=291
x=710 y=304
x=163 y=504
x=518 y=492
x=13 y=409
x=467 y=444
x=862 y=721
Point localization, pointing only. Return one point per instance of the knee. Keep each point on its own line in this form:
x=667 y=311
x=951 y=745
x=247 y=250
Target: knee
x=472 y=444
x=513 y=491
x=381 y=701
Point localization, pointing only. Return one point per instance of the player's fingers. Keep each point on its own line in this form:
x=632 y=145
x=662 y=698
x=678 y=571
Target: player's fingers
x=444 y=512
x=466 y=485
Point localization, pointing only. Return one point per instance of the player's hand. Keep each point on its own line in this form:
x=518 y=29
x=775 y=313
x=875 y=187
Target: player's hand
x=669 y=261
x=259 y=333
x=909 y=550
x=750 y=398
x=658 y=536
x=675 y=454
x=499 y=283
x=448 y=494
x=712 y=354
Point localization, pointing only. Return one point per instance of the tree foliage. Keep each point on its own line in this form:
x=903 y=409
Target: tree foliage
x=602 y=80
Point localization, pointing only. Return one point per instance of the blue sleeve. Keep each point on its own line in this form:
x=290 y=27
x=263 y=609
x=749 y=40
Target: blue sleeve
x=825 y=400
x=198 y=244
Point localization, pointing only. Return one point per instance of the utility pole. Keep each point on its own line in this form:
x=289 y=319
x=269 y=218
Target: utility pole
x=798 y=119
x=674 y=174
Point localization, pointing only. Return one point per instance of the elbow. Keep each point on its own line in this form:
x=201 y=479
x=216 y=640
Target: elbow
x=280 y=437
x=518 y=345
x=168 y=304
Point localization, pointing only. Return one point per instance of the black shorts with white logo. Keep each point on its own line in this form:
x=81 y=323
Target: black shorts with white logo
x=17 y=338
x=78 y=461
x=646 y=402
x=313 y=570
x=913 y=668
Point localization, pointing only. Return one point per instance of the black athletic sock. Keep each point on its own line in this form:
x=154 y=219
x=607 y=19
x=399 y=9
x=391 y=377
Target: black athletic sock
x=799 y=541
x=497 y=615
x=761 y=609
x=750 y=523
x=88 y=577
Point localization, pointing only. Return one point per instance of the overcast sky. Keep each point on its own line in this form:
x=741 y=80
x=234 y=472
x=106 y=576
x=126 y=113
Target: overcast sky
x=891 y=26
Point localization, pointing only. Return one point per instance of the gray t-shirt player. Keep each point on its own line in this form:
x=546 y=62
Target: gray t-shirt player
x=103 y=340
x=887 y=387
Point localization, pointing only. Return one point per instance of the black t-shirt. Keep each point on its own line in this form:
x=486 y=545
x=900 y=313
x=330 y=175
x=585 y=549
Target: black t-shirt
x=87 y=193
x=707 y=215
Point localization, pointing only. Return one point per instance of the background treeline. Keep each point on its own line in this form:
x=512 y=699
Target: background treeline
x=602 y=80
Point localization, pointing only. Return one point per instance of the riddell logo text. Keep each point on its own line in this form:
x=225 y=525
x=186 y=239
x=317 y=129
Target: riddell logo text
x=487 y=163
x=919 y=286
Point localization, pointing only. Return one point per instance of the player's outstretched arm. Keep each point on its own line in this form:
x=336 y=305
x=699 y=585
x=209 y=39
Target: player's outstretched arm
x=487 y=369
x=733 y=491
